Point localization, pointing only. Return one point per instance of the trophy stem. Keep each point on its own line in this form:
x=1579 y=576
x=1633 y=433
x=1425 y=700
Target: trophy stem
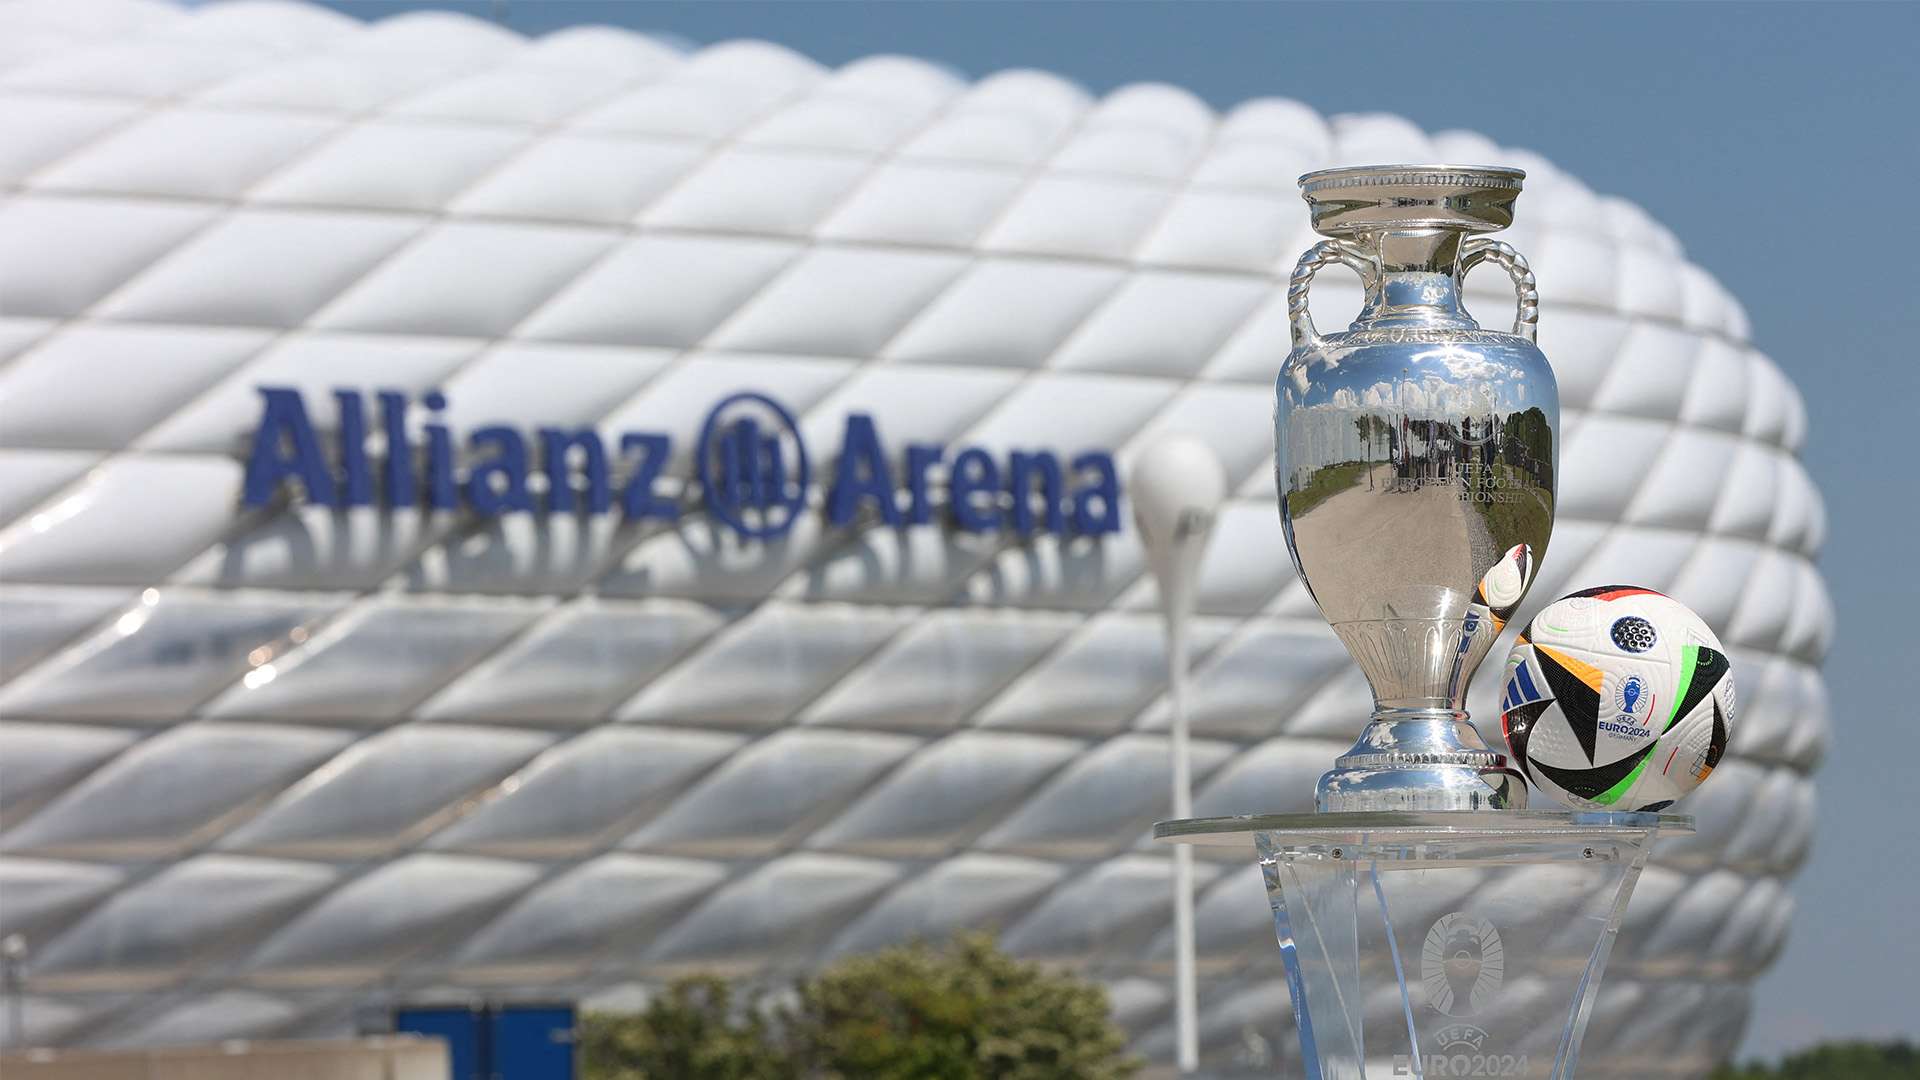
x=1420 y=759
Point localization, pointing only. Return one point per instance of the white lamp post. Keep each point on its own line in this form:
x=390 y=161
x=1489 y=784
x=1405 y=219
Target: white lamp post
x=13 y=959
x=1177 y=485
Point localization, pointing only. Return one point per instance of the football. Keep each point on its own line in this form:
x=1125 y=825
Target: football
x=1505 y=584
x=1617 y=698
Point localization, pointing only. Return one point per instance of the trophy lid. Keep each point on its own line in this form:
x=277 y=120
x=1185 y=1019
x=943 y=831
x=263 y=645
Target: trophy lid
x=1369 y=198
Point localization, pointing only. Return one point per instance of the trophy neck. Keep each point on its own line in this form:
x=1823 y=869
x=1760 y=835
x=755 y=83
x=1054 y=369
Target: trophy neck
x=1410 y=222
x=1418 y=281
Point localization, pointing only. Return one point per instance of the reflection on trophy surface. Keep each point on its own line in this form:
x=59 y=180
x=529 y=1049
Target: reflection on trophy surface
x=1414 y=455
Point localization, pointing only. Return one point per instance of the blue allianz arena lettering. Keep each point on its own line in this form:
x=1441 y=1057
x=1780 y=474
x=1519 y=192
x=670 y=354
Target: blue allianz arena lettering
x=751 y=470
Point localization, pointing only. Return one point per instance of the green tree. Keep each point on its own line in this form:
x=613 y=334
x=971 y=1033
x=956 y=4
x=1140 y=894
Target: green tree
x=963 y=1011
x=956 y=1013
x=695 y=1028
x=1835 y=1061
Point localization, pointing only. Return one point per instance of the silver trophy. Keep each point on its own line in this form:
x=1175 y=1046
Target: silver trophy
x=1415 y=455
x=1432 y=926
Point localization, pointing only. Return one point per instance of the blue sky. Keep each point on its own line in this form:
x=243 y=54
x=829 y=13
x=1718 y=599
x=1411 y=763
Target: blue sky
x=1779 y=141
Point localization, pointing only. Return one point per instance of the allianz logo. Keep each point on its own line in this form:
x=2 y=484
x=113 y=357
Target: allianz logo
x=751 y=470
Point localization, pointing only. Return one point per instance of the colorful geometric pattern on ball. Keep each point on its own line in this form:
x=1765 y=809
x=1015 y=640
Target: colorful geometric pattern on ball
x=1617 y=698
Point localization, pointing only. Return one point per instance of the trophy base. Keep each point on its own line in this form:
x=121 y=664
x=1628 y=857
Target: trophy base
x=1430 y=945
x=1416 y=761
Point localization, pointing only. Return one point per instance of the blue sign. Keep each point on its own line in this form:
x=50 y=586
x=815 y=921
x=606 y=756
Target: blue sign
x=751 y=467
x=509 y=1042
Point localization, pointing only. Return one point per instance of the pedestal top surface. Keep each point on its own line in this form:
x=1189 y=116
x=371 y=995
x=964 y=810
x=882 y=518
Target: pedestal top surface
x=1386 y=825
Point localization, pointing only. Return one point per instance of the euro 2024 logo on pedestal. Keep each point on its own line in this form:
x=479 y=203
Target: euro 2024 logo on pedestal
x=1462 y=965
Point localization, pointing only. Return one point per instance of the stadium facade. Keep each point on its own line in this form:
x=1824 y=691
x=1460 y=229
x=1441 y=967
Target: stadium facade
x=292 y=733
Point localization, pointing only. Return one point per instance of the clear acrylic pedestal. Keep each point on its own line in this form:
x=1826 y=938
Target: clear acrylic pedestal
x=1443 y=944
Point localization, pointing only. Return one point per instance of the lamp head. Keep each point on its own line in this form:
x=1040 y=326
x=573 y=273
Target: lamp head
x=1177 y=486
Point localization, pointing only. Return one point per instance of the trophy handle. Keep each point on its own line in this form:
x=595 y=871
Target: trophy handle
x=1526 y=321
x=1319 y=256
